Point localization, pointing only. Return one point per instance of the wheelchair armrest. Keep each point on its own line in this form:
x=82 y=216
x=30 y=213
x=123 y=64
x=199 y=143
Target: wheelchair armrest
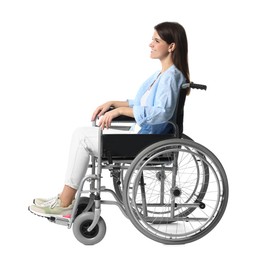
x=122 y=123
x=123 y=119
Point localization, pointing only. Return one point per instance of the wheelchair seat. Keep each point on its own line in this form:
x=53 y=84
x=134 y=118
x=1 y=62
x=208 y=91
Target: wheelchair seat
x=127 y=146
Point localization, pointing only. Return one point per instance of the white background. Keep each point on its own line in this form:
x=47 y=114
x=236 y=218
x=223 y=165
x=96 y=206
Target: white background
x=60 y=59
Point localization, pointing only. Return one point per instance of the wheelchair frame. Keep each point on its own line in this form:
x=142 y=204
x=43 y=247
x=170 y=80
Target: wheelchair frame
x=172 y=189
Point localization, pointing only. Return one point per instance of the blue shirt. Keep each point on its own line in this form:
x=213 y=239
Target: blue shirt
x=161 y=102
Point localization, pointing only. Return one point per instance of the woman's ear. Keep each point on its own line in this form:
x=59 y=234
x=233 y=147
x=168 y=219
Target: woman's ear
x=172 y=47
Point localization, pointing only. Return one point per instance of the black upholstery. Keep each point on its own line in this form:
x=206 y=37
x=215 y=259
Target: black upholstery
x=179 y=112
x=119 y=146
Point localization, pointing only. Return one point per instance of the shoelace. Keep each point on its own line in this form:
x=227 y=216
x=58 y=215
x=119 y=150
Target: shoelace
x=50 y=201
x=54 y=203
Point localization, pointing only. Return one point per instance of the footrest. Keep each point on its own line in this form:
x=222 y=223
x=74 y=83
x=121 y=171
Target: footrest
x=58 y=220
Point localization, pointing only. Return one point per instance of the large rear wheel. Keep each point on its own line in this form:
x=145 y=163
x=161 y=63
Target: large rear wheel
x=175 y=191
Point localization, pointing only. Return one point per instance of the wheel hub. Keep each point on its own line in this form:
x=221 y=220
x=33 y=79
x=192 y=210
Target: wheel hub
x=161 y=175
x=176 y=192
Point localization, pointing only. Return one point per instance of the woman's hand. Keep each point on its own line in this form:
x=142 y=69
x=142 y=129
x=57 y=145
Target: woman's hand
x=106 y=120
x=100 y=110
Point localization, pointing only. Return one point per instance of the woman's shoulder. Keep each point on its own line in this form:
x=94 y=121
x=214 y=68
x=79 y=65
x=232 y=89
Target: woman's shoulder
x=173 y=73
x=172 y=70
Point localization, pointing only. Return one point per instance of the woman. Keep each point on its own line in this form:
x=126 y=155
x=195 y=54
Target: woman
x=152 y=107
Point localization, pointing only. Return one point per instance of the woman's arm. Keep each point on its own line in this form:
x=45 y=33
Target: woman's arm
x=119 y=104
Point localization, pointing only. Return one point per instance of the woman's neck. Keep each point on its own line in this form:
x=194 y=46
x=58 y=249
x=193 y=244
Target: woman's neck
x=166 y=63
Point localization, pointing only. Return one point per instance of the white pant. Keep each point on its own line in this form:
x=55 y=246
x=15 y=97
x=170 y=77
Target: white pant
x=84 y=144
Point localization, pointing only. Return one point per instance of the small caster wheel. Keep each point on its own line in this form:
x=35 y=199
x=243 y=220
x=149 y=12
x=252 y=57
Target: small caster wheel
x=81 y=225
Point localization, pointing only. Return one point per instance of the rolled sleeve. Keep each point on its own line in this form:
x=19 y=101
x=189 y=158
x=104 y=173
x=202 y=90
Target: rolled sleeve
x=150 y=115
x=130 y=102
x=139 y=115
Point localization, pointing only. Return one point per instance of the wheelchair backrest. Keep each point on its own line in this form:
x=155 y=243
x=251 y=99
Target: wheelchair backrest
x=179 y=111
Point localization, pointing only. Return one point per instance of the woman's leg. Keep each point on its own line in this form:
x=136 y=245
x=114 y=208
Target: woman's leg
x=67 y=196
x=84 y=143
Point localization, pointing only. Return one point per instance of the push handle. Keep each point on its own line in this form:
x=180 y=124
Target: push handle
x=194 y=86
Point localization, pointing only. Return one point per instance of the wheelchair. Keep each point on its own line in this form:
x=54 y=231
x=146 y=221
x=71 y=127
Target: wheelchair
x=172 y=189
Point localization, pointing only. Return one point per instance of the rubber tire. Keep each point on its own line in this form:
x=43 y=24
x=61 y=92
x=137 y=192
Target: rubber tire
x=81 y=224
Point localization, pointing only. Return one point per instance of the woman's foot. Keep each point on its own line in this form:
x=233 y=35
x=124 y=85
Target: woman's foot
x=52 y=209
x=42 y=202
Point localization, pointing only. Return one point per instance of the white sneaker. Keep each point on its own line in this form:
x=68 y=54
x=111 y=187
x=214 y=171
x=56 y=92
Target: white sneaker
x=53 y=209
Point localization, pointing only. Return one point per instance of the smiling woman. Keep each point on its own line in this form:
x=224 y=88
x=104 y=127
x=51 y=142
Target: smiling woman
x=152 y=108
x=160 y=48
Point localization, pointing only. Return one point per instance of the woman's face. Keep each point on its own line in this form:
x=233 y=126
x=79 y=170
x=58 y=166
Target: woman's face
x=159 y=47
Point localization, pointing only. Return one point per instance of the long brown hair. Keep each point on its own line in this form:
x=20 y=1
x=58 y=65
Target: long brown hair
x=172 y=32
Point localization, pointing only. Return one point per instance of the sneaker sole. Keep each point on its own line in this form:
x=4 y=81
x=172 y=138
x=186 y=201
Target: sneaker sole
x=48 y=216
